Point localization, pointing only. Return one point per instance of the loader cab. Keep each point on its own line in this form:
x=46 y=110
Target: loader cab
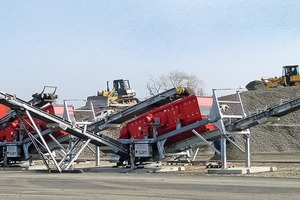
x=123 y=87
x=290 y=70
x=290 y=74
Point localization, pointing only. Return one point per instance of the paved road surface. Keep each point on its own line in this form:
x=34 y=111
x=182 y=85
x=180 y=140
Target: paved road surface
x=37 y=186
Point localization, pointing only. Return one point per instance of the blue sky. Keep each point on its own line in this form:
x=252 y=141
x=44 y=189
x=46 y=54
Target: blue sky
x=79 y=45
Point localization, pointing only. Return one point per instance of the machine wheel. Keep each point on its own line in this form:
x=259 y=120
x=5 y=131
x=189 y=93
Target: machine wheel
x=134 y=101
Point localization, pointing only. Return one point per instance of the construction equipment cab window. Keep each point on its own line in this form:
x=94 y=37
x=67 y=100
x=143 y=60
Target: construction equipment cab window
x=121 y=86
x=295 y=71
x=290 y=70
x=291 y=75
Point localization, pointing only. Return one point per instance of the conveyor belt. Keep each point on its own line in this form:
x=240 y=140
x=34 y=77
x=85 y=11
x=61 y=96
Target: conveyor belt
x=262 y=117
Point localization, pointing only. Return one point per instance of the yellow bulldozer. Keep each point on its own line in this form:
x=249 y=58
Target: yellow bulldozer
x=290 y=77
x=120 y=95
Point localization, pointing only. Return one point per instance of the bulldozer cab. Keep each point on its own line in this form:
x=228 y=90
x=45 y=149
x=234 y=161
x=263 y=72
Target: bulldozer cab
x=122 y=87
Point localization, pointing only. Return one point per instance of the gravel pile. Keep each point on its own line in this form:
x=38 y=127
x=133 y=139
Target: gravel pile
x=283 y=136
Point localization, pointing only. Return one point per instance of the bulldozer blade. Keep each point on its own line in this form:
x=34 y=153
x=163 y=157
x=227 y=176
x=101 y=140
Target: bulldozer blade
x=98 y=101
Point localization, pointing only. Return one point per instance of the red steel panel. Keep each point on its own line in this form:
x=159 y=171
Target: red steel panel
x=3 y=110
x=10 y=132
x=186 y=111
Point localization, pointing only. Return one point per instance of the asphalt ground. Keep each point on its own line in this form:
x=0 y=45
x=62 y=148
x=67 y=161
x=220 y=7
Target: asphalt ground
x=36 y=185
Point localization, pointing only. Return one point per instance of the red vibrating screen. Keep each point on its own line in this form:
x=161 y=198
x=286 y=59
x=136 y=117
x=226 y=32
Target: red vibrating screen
x=184 y=112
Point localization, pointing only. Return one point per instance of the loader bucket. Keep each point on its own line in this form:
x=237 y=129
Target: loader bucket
x=255 y=85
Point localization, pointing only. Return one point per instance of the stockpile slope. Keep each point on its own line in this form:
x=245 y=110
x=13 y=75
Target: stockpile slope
x=284 y=135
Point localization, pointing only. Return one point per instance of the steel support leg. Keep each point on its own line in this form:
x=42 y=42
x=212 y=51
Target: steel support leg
x=132 y=158
x=91 y=149
x=68 y=153
x=223 y=152
x=204 y=140
x=58 y=144
x=97 y=156
x=66 y=114
x=43 y=140
x=161 y=149
x=78 y=153
x=195 y=154
x=247 y=150
x=72 y=140
x=25 y=150
x=5 y=156
x=35 y=144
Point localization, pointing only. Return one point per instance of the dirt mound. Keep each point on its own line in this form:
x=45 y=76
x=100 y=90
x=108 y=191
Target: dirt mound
x=283 y=136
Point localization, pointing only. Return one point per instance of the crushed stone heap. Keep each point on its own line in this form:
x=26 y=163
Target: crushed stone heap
x=283 y=136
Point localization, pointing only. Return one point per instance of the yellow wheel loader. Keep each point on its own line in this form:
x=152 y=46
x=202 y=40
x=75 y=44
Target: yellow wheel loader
x=290 y=77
